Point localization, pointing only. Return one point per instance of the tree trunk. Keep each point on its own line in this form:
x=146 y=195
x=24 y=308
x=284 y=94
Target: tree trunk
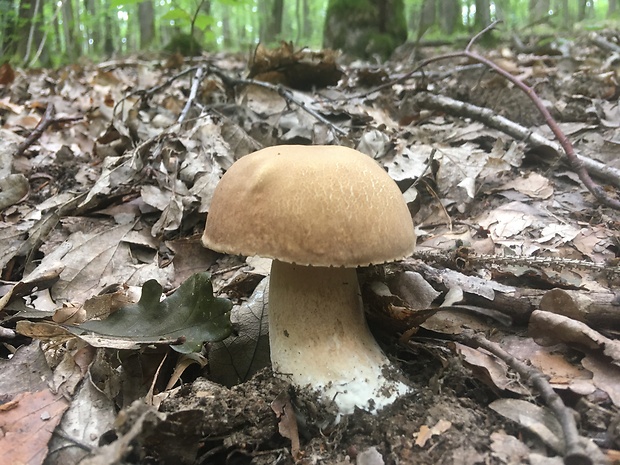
x=428 y=17
x=94 y=33
x=365 y=28
x=108 y=43
x=146 y=15
x=482 y=17
x=450 y=14
x=69 y=29
x=306 y=22
x=539 y=9
x=7 y=28
x=273 y=25
x=29 y=33
x=612 y=7
x=566 y=19
x=226 y=29
x=581 y=11
x=59 y=51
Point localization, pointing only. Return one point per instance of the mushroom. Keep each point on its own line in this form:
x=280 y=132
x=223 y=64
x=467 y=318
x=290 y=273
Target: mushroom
x=319 y=212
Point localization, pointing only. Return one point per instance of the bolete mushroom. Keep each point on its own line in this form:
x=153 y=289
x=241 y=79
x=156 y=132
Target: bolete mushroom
x=319 y=212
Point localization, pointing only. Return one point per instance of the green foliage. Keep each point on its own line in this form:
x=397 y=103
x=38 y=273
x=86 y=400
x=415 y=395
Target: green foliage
x=124 y=3
x=203 y=21
x=176 y=14
x=113 y=26
x=191 y=314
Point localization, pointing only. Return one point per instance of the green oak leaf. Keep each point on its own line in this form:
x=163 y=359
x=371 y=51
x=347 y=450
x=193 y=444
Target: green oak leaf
x=185 y=319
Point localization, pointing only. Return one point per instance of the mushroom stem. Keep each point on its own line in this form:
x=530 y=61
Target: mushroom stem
x=319 y=337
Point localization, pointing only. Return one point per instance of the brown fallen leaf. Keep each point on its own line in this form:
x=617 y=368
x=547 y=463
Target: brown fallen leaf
x=28 y=428
x=287 y=424
x=549 y=328
x=425 y=433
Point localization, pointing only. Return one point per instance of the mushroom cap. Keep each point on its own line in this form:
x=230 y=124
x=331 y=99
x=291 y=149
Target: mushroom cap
x=310 y=205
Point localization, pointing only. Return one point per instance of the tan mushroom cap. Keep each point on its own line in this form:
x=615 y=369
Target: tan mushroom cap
x=310 y=205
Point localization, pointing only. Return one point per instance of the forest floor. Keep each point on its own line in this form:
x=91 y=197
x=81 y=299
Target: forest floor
x=505 y=322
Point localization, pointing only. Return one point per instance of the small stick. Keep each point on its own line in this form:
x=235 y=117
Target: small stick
x=281 y=90
x=40 y=128
x=576 y=164
x=574 y=453
x=192 y=94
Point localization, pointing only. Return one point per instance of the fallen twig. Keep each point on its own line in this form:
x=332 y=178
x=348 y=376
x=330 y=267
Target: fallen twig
x=44 y=123
x=515 y=130
x=416 y=73
x=147 y=94
x=575 y=163
x=574 y=453
x=603 y=43
x=284 y=92
x=192 y=94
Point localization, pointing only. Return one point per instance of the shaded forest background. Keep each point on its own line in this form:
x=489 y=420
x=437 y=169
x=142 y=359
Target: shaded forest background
x=51 y=33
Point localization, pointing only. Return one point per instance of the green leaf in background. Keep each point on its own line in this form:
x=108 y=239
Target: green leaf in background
x=191 y=313
x=204 y=21
x=176 y=14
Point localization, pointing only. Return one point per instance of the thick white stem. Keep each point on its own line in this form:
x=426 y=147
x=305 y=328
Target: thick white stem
x=319 y=337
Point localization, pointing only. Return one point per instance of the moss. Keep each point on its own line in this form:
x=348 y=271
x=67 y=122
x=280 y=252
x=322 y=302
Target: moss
x=365 y=27
x=185 y=44
x=346 y=7
x=381 y=44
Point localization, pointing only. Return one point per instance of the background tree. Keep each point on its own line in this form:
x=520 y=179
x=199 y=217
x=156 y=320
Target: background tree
x=272 y=12
x=29 y=27
x=365 y=27
x=48 y=33
x=146 y=15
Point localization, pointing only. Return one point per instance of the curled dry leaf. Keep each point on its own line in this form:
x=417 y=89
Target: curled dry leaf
x=539 y=420
x=287 y=421
x=70 y=314
x=13 y=188
x=549 y=328
x=427 y=432
x=596 y=309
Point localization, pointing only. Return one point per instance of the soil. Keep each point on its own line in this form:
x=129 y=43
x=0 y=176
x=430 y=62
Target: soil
x=207 y=423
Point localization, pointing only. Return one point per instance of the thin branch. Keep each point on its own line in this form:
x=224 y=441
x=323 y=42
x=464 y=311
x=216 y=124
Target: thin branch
x=415 y=72
x=192 y=94
x=281 y=90
x=147 y=94
x=604 y=44
x=46 y=121
x=487 y=116
x=574 y=453
x=575 y=163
